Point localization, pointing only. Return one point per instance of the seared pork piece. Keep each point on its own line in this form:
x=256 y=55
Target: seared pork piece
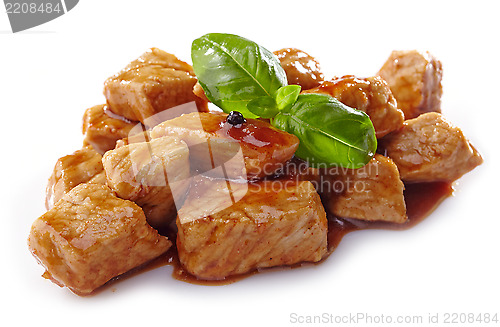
x=429 y=148
x=155 y=82
x=272 y=224
x=79 y=167
x=415 y=80
x=213 y=142
x=154 y=174
x=370 y=95
x=300 y=68
x=155 y=56
x=102 y=128
x=91 y=236
x=373 y=192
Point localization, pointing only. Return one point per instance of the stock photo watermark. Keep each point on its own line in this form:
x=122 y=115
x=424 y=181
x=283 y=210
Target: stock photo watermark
x=26 y=14
x=363 y=318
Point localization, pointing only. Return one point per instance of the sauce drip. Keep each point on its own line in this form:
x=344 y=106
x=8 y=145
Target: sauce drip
x=421 y=199
x=254 y=132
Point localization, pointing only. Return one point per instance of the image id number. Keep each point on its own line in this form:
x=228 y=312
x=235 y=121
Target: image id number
x=32 y=8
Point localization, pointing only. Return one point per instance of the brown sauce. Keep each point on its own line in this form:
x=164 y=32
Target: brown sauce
x=421 y=199
x=254 y=133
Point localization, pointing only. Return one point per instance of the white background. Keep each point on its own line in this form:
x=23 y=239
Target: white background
x=449 y=263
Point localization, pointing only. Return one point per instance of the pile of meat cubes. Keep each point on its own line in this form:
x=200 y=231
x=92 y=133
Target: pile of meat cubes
x=146 y=167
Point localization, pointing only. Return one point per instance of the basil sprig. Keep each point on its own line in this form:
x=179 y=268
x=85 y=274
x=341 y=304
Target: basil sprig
x=234 y=71
x=240 y=75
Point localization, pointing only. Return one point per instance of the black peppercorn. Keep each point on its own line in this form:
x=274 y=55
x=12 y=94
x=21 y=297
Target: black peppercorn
x=235 y=118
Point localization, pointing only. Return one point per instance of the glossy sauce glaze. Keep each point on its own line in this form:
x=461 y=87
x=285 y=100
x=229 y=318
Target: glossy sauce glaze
x=254 y=133
x=263 y=147
x=421 y=199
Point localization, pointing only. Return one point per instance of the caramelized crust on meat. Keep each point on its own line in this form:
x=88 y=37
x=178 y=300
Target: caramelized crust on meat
x=370 y=95
x=155 y=82
x=373 y=192
x=154 y=174
x=300 y=68
x=429 y=148
x=267 y=225
x=102 y=128
x=155 y=56
x=415 y=80
x=91 y=236
x=213 y=142
x=79 y=167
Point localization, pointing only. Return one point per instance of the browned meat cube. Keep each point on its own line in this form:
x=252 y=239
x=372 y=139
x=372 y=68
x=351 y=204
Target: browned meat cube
x=222 y=233
x=155 y=82
x=370 y=95
x=214 y=142
x=155 y=56
x=373 y=192
x=102 y=128
x=155 y=175
x=80 y=167
x=428 y=148
x=91 y=236
x=300 y=68
x=415 y=80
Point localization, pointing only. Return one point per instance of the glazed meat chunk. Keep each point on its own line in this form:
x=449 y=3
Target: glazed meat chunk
x=102 y=128
x=415 y=80
x=91 y=236
x=300 y=68
x=154 y=174
x=79 y=167
x=155 y=82
x=228 y=233
x=370 y=95
x=155 y=56
x=213 y=142
x=428 y=148
x=373 y=192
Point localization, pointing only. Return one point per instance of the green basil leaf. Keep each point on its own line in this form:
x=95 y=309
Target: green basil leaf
x=263 y=107
x=233 y=71
x=286 y=96
x=330 y=132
